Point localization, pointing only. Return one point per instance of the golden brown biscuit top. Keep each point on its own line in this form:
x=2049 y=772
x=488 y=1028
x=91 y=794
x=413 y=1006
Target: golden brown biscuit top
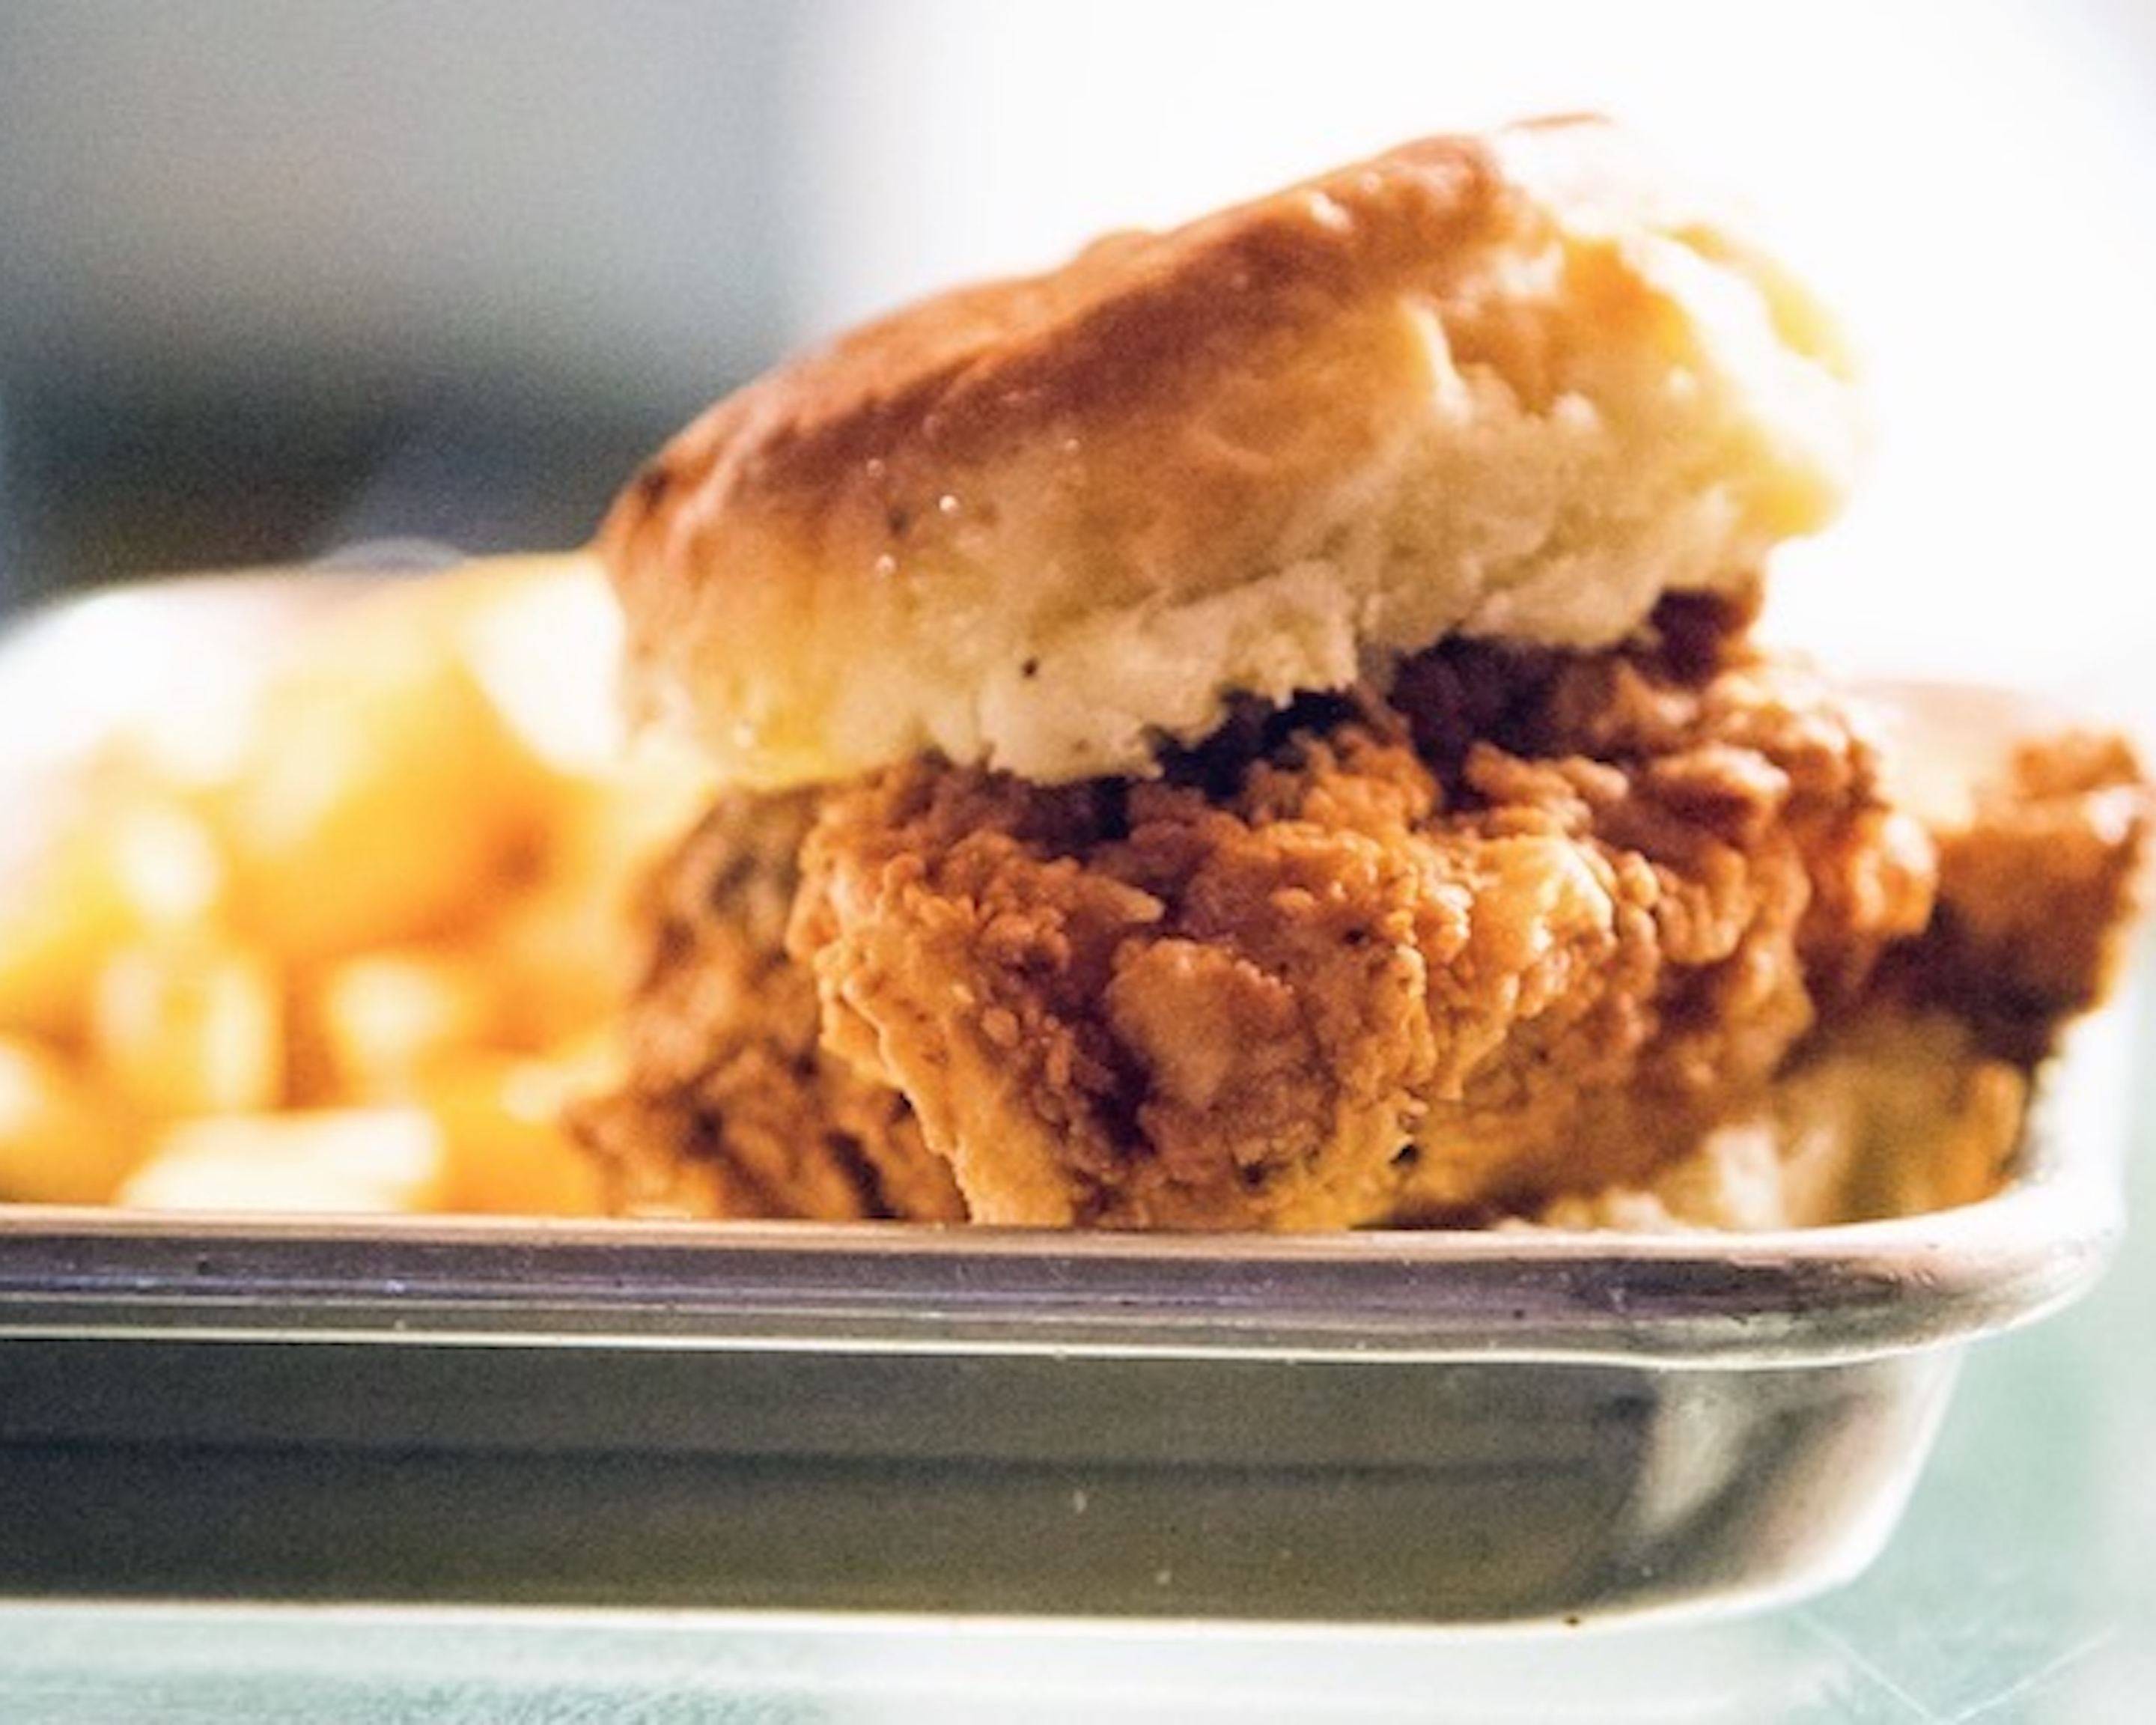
x=1125 y=326
x=1506 y=385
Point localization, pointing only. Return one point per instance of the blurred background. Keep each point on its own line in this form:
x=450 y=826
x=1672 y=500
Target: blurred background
x=277 y=277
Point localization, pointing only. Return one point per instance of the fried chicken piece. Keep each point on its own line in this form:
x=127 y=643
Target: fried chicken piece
x=1529 y=927
x=1889 y=1113
x=1532 y=925
x=2037 y=891
x=732 y=1108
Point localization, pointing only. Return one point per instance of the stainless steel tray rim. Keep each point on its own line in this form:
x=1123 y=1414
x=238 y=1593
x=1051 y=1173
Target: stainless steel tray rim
x=1773 y=1299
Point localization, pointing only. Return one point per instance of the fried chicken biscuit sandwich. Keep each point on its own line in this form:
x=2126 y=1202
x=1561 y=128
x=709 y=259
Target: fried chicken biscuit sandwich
x=1261 y=727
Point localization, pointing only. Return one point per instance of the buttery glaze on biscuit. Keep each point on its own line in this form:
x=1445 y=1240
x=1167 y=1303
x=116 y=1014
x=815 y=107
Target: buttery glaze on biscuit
x=1504 y=386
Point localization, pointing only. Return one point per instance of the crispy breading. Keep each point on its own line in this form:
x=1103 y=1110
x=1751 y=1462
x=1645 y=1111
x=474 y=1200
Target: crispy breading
x=1889 y=1112
x=1530 y=924
x=2038 y=890
x=1524 y=928
x=731 y=1109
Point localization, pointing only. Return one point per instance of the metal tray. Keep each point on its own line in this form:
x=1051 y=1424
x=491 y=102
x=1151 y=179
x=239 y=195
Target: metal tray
x=1455 y=1428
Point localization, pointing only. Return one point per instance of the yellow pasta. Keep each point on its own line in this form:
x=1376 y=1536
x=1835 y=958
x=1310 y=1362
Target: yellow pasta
x=372 y=1160
x=122 y=864
x=330 y=964
x=383 y=1019
x=188 y=1028
x=61 y=1140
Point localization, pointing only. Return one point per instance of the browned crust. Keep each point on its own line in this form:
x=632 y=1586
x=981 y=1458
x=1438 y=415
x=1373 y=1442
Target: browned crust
x=1131 y=327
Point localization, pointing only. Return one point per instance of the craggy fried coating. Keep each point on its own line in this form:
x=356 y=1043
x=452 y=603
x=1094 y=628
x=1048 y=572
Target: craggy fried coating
x=732 y=1109
x=1530 y=924
x=1521 y=929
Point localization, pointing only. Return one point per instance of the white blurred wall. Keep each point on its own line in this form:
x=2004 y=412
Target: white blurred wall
x=1973 y=185
x=634 y=201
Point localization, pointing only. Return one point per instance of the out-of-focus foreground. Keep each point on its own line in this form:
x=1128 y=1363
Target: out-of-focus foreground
x=347 y=943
